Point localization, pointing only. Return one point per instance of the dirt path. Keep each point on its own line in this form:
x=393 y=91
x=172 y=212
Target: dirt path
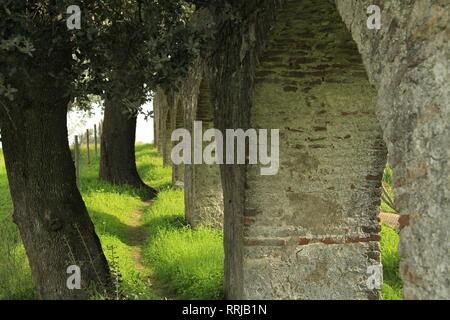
x=138 y=238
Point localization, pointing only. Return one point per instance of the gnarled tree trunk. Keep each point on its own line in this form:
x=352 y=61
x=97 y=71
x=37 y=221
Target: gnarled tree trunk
x=48 y=209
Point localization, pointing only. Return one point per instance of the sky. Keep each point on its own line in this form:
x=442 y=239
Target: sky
x=78 y=122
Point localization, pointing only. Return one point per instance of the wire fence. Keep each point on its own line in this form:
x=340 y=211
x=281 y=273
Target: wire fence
x=90 y=138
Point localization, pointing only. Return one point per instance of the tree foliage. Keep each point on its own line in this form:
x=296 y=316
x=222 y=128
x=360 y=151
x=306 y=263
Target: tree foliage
x=149 y=42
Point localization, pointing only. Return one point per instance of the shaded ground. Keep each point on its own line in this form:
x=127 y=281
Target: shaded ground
x=137 y=235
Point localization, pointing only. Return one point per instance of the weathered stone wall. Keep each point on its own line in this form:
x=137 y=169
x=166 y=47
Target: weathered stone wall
x=408 y=62
x=311 y=231
x=203 y=188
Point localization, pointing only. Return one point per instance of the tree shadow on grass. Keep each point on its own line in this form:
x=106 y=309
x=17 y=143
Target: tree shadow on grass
x=152 y=175
x=141 y=146
x=165 y=186
x=143 y=168
x=95 y=185
x=107 y=224
x=171 y=222
x=145 y=150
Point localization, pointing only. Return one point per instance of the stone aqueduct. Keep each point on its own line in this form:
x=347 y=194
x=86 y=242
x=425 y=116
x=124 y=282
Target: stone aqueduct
x=346 y=99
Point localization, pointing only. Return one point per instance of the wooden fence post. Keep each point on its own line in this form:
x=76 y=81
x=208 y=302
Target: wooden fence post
x=87 y=146
x=95 y=139
x=100 y=134
x=77 y=161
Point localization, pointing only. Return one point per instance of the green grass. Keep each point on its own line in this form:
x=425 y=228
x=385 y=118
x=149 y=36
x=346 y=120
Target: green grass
x=180 y=263
x=111 y=208
x=387 y=174
x=392 y=288
x=151 y=169
x=387 y=183
x=191 y=262
x=15 y=275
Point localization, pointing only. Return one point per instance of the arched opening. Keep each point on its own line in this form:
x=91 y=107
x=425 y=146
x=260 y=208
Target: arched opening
x=313 y=233
x=405 y=61
x=312 y=229
x=391 y=223
x=203 y=193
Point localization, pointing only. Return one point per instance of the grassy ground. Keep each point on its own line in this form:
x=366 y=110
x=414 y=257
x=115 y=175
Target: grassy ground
x=387 y=183
x=15 y=276
x=176 y=262
x=392 y=287
x=111 y=209
x=191 y=262
x=183 y=264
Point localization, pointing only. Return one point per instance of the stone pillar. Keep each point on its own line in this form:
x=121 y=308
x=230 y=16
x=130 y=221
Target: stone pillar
x=157 y=121
x=203 y=188
x=230 y=72
x=177 y=123
x=408 y=62
x=165 y=109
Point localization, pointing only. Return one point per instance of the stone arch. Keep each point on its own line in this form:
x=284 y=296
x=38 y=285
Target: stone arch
x=313 y=228
x=263 y=261
x=204 y=199
x=203 y=188
x=407 y=61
